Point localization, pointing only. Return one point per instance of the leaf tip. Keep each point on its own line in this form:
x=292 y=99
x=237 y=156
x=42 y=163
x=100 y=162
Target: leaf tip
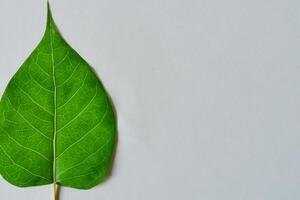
x=49 y=23
x=49 y=13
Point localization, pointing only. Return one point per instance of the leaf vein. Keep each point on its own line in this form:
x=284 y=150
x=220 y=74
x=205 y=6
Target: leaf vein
x=100 y=148
x=63 y=59
x=13 y=139
x=28 y=122
x=74 y=118
x=81 y=138
x=20 y=166
x=74 y=93
x=72 y=177
x=34 y=101
x=42 y=69
x=37 y=83
x=70 y=75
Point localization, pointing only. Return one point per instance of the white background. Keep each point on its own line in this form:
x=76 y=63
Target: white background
x=207 y=93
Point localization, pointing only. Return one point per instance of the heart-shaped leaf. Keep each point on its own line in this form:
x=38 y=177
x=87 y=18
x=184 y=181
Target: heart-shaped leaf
x=57 y=124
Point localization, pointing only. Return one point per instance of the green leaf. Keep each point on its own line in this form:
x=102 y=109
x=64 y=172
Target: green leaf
x=57 y=124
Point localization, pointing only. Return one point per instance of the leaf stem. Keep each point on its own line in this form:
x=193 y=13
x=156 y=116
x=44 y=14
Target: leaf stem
x=55 y=196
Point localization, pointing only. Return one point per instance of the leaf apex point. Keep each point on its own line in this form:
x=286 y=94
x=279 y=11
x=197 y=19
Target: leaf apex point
x=49 y=13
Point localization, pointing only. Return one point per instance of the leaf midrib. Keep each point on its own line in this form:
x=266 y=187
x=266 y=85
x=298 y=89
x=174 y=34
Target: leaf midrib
x=55 y=104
